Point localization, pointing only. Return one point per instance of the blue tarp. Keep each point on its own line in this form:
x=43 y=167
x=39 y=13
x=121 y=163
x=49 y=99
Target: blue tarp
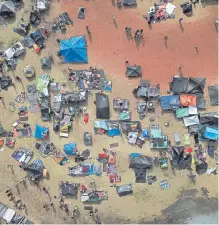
x=41 y=132
x=74 y=50
x=70 y=149
x=100 y=124
x=114 y=132
x=145 y=133
x=170 y=102
x=211 y=133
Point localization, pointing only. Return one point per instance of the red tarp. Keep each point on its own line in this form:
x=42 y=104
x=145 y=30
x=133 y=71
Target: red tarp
x=187 y=100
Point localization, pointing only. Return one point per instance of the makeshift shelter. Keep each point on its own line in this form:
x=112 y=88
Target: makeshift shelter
x=70 y=149
x=23 y=155
x=100 y=126
x=81 y=170
x=113 y=128
x=124 y=190
x=130 y=126
x=129 y=2
x=102 y=106
x=133 y=71
x=42 y=5
x=196 y=85
x=34 y=18
x=29 y=71
x=46 y=62
x=88 y=139
x=209 y=132
x=74 y=50
x=182 y=112
x=37 y=37
x=213 y=95
x=191 y=120
x=81 y=12
x=140 y=162
x=121 y=104
x=36 y=170
x=124 y=116
x=75 y=97
x=45 y=148
x=8 y=215
x=42 y=85
x=178 y=84
x=69 y=189
x=2 y=131
x=188 y=100
x=200 y=102
x=210 y=118
x=7 y=9
x=41 y=132
x=14 y=51
x=169 y=102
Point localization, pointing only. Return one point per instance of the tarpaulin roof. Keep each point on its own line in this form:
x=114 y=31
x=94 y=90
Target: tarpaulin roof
x=70 y=149
x=101 y=124
x=196 y=85
x=178 y=84
x=7 y=7
x=211 y=133
x=213 y=94
x=133 y=71
x=36 y=167
x=113 y=128
x=128 y=126
x=141 y=162
x=182 y=112
x=129 y=2
x=37 y=36
x=209 y=118
x=200 y=102
x=42 y=84
x=81 y=12
x=41 y=132
x=169 y=102
x=69 y=189
x=192 y=120
x=187 y=100
x=74 y=50
x=102 y=106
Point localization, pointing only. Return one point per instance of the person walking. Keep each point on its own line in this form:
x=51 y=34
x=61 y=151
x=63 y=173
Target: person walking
x=88 y=30
x=180 y=20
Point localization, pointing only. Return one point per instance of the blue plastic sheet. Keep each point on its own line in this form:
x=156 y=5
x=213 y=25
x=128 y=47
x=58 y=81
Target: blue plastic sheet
x=70 y=149
x=171 y=102
x=41 y=132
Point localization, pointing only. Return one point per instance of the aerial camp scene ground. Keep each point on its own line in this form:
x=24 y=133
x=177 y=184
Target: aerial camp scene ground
x=109 y=111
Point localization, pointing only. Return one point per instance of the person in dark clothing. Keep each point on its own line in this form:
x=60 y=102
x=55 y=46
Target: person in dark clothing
x=18 y=79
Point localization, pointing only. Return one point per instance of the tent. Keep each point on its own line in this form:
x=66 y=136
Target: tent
x=7 y=8
x=15 y=50
x=102 y=106
x=41 y=132
x=169 y=102
x=187 y=100
x=100 y=126
x=74 y=50
x=130 y=126
x=191 y=120
x=182 y=112
x=70 y=149
x=37 y=37
x=178 y=84
x=120 y=104
x=196 y=85
x=125 y=115
x=129 y=2
x=81 y=12
x=209 y=118
x=200 y=102
x=133 y=71
x=210 y=133
x=213 y=95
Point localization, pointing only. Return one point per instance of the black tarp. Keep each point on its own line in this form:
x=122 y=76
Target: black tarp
x=200 y=102
x=129 y=2
x=213 y=95
x=35 y=170
x=201 y=167
x=130 y=126
x=133 y=71
x=141 y=162
x=140 y=175
x=81 y=12
x=67 y=189
x=178 y=85
x=37 y=37
x=102 y=106
x=210 y=118
x=124 y=190
x=196 y=85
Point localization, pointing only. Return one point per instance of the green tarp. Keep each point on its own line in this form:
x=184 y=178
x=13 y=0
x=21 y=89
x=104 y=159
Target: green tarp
x=183 y=112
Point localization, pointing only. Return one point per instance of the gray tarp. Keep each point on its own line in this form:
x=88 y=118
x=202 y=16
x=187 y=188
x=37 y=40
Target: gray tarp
x=81 y=12
x=191 y=120
x=130 y=126
x=133 y=71
x=102 y=106
x=69 y=189
x=209 y=118
x=178 y=84
x=124 y=190
x=213 y=94
x=196 y=85
x=6 y=8
x=141 y=162
x=129 y=2
x=121 y=104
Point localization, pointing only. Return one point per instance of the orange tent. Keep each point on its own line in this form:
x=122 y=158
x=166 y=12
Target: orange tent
x=187 y=100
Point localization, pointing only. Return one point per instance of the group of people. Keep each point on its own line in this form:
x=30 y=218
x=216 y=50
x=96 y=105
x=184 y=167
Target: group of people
x=17 y=202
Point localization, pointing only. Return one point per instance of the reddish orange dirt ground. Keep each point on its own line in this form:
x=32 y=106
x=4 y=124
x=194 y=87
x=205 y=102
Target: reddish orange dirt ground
x=109 y=46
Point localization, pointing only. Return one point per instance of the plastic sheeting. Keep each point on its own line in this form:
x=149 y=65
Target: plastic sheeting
x=41 y=132
x=169 y=102
x=70 y=149
x=102 y=106
x=192 y=120
x=196 y=85
x=182 y=112
x=178 y=85
x=213 y=94
x=141 y=162
x=124 y=190
x=188 y=100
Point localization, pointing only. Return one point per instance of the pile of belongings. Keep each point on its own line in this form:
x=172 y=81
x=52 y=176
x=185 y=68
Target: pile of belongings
x=61 y=22
x=32 y=98
x=84 y=169
x=157 y=139
x=144 y=107
x=34 y=17
x=60 y=157
x=75 y=97
x=146 y=91
x=23 y=156
x=124 y=190
x=110 y=127
x=69 y=189
x=82 y=155
x=2 y=131
x=42 y=5
x=10 y=141
x=45 y=148
x=29 y=71
x=93 y=195
x=7 y=9
x=36 y=170
x=124 y=116
x=181 y=157
x=88 y=139
x=187 y=8
x=23 y=113
x=42 y=85
x=65 y=125
x=23 y=130
x=121 y=104
x=45 y=108
x=5 y=82
x=108 y=158
x=133 y=71
x=160 y=11
x=129 y=2
x=41 y=132
x=11 y=216
x=140 y=164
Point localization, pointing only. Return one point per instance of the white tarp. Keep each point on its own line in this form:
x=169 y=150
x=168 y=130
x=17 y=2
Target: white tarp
x=9 y=214
x=15 y=50
x=193 y=110
x=192 y=120
x=132 y=137
x=170 y=8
